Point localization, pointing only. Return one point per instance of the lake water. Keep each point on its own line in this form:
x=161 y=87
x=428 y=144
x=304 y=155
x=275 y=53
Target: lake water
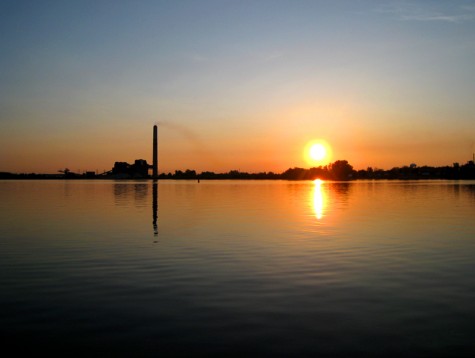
x=236 y=268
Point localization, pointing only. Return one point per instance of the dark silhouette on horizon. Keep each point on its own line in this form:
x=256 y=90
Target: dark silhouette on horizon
x=155 y=152
x=339 y=170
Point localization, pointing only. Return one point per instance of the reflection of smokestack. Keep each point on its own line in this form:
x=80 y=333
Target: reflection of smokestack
x=155 y=153
x=155 y=208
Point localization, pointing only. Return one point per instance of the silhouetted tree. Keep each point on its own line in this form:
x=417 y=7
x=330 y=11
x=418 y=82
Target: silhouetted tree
x=294 y=174
x=341 y=170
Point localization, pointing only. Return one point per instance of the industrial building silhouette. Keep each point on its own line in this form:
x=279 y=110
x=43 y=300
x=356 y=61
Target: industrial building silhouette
x=140 y=168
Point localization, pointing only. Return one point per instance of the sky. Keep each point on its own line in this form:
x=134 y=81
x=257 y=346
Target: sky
x=235 y=85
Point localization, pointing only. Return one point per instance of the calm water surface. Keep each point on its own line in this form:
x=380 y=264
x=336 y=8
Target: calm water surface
x=257 y=268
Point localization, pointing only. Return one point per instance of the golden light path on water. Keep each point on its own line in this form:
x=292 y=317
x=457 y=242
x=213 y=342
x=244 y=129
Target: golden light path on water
x=319 y=199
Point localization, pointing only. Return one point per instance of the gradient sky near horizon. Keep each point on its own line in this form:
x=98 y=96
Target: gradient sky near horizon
x=235 y=84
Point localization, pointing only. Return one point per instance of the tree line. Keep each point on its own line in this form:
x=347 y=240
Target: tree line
x=340 y=170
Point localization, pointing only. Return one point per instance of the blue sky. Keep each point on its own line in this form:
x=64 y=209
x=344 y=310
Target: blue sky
x=235 y=84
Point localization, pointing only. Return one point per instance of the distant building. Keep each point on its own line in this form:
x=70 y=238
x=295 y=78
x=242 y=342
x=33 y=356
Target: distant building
x=138 y=170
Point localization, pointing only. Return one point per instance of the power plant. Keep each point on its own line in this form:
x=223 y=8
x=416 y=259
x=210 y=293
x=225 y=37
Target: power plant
x=140 y=168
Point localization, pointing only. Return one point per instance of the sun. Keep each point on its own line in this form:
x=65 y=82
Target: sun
x=317 y=152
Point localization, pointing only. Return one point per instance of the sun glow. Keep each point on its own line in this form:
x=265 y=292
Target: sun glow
x=317 y=152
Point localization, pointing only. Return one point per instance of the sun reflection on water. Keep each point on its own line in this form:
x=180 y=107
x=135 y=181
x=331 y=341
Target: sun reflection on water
x=319 y=199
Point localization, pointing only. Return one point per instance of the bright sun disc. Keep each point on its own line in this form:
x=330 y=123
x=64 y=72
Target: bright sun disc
x=318 y=151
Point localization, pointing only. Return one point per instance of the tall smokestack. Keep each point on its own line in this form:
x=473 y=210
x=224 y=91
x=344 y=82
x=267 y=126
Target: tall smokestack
x=155 y=153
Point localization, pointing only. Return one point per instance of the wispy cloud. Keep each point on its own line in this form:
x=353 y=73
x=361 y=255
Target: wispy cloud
x=437 y=17
x=423 y=11
x=271 y=56
x=198 y=58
